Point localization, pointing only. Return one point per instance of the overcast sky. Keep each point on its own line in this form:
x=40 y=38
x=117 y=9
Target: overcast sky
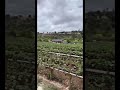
x=59 y=15
x=26 y=7
x=93 y=5
x=20 y=7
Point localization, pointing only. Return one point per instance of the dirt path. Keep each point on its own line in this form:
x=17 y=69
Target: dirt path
x=54 y=83
x=39 y=88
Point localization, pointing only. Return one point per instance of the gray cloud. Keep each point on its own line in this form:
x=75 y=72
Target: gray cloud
x=91 y=5
x=59 y=15
x=24 y=7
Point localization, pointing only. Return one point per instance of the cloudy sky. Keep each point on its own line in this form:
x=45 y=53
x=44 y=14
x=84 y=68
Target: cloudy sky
x=56 y=15
x=20 y=7
x=93 y=5
x=59 y=15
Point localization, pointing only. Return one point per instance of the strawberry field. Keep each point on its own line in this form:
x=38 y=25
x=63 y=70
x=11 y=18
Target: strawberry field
x=100 y=58
x=67 y=57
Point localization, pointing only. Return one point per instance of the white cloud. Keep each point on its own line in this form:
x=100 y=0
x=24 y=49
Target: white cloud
x=59 y=15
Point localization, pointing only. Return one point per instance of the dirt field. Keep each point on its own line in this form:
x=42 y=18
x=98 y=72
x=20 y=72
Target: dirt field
x=50 y=85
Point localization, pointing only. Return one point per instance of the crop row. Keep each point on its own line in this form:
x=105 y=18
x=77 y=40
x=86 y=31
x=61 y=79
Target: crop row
x=19 y=75
x=66 y=63
x=100 y=55
x=75 y=49
x=20 y=56
x=98 y=81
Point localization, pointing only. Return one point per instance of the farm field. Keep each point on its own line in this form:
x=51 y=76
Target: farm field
x=100 y=56
x=19 y=58
x=73 y=49
x=100 y=50
x=67 y=57
x=64 y=58
x=19 y=53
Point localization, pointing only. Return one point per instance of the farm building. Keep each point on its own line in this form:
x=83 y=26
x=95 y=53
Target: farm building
x=58 y=40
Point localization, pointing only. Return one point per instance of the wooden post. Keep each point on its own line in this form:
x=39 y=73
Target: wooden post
x=51 y=74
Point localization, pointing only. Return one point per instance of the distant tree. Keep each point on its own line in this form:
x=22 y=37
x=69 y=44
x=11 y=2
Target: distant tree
x=68 y=41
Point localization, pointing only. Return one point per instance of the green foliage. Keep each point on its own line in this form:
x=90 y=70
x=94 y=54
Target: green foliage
x=72 y=45
x=101 y=23
x=100 y=49
x=100 y=55
x=61 y=48
x=68 y=41
x=19 y=45
x=64 y=62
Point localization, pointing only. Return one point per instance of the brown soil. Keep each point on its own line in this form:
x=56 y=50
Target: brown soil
x=54 y=83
